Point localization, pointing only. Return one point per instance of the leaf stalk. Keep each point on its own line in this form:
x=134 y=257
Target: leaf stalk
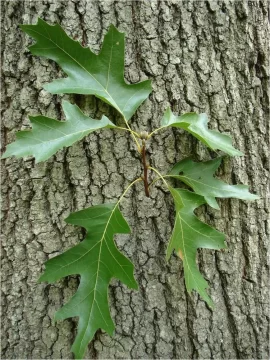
x=126 y=190
x=160 y=177
x=156 y=130
x=128 y=129
x=134 y=135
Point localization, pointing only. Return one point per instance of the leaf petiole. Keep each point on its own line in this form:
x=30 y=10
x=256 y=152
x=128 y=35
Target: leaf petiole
x=126 y=190
x=128 y=129
x=160 y=177
x=134 y=134
x=153 y=132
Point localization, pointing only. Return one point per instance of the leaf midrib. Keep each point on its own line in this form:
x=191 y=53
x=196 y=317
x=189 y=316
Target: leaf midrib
x=53 y=140
x=204 y=184
x=184 y=245
x=105 y=90
x=97 y=273
x=184 y=249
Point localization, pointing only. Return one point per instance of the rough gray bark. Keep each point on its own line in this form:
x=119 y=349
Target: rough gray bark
x=205 y=56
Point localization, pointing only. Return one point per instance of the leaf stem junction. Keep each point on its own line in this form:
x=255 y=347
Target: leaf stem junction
x=144 y=136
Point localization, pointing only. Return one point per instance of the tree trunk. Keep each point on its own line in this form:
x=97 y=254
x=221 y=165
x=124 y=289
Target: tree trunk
x=203 y=56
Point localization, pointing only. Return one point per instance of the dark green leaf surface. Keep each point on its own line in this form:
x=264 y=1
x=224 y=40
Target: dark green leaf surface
x=50 y=135
x=196 y=124
x=96 y=260
x=101 y=75
x=199 y=176
x=190 y=234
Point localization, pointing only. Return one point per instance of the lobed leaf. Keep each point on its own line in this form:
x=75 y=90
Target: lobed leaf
x=190 y=234
x=199 y=176
x=196 y=124
x=101 y=75
x=49 y=135
x=96 y=260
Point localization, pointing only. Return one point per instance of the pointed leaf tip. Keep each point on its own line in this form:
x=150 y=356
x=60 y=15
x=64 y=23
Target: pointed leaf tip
x=197 y=125
x=88 y=73
x=190 y=234
x=97 y=260
x=50 y=135
x=200 y=177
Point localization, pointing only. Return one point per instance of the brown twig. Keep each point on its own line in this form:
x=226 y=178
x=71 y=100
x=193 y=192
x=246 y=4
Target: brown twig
x=145 y=169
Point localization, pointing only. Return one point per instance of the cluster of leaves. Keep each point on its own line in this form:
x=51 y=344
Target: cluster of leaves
x=96 y=259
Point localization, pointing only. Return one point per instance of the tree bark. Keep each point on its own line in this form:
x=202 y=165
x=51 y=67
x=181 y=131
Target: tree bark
x=203 y=56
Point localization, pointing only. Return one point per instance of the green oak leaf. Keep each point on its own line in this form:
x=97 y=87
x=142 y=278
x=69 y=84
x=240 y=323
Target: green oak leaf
x=97 y=261
x=101 y=75
x=49 y=135
x=190 y=234
x=196 y=124
x=199 y=176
